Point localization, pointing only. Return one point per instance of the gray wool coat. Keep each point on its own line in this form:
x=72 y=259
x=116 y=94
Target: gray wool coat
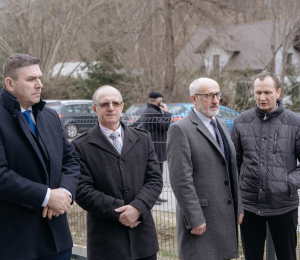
x=108 y=181
x=204 y=190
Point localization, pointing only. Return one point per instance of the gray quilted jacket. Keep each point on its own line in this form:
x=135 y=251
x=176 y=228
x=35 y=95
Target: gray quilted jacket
x=267 y=149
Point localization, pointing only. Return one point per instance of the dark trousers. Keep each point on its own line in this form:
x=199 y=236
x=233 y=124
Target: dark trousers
x=283 y=230
x=64 y=255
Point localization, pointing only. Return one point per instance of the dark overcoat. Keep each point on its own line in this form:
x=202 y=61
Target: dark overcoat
x=24 y=179
x=157 y=124
x=206 y=192
x=108 y=181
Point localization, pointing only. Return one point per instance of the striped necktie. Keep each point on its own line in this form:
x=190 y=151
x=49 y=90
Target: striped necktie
x=219 y=137
x=30 y=122
x=115 y=135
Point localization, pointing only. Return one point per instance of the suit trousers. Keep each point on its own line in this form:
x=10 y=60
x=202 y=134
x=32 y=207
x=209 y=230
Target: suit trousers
x=283 y=229
x=152 y=257
x=64 y=255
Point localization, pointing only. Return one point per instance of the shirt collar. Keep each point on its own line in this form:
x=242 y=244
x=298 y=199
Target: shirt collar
x=204 y=119
x=107 y=132
x=23 y=110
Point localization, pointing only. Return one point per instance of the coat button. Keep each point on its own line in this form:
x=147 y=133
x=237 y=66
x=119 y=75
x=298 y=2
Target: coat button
x=105 y=209
x=229 y=201
x=226 y=182
x=149 y=204
x=224 y=163
x=121 y=161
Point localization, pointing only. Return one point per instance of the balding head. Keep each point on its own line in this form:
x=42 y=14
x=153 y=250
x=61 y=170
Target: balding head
x=198 y=84
x=103 y=90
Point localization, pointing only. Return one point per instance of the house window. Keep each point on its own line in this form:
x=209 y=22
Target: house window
x=216 y=63
x=289 y=59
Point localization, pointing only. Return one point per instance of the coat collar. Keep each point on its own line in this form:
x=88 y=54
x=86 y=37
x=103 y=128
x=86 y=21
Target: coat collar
x=99 y=139
x=266 y=116
x=11 y=102
x=204 y=130
x=154 y=106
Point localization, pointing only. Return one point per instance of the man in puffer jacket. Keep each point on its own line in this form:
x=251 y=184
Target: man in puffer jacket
x=267 y=142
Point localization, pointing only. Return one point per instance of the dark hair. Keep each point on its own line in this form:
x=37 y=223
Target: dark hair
x=263 y=75
x=14 y=63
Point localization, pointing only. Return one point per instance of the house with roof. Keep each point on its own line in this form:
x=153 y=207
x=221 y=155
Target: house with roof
x=240 y=47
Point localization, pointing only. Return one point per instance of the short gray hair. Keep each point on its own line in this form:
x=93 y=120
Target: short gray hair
x=13 y=64
x=95 y=96
x=194 y=86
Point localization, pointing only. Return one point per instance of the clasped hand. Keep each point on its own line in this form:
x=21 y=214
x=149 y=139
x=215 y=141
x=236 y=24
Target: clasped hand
x=129 y=215
x=59 y=203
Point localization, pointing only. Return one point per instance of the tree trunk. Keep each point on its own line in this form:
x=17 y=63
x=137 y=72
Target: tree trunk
x=169 y=76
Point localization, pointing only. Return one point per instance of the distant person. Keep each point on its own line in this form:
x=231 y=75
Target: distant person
x=203 y=176
x=267 y=141
x=39 y=169
x=156 y=120
x=119 y=184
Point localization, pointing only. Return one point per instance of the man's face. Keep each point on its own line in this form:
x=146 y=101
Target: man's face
x=108 y=117
x=27 y=88
x=209 y=108
x=265 y=94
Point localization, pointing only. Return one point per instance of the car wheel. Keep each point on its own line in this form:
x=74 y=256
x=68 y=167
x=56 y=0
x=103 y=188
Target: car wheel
x=71 y=130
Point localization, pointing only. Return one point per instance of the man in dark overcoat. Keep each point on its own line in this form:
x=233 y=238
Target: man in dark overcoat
x=39 y=169
x=119 y=184
x=156 y=120
x=203 y=176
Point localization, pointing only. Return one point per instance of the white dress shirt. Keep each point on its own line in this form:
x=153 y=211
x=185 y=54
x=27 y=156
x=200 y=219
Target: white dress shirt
x=206 y=121
x=47 y=197
x=107 y=132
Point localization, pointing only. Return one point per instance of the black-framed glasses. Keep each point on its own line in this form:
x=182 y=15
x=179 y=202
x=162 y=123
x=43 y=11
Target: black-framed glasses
x=211 y=96
x=115 y=104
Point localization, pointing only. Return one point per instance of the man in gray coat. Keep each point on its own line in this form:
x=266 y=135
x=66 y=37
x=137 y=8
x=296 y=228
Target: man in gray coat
x=267 y=141
x=203 y=175
x=119 y=184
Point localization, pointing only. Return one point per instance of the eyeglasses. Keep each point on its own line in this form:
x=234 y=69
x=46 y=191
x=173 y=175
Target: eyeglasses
x=115 y=104
x=211 y=96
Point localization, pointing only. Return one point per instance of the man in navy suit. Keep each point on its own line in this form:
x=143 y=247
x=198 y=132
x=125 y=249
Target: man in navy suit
x=39 y=169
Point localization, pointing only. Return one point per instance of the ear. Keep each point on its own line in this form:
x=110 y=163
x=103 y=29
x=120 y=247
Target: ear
x=9 y=82
x=94 y=109
x=278 y=93
x=122 y=107
x=193 y=98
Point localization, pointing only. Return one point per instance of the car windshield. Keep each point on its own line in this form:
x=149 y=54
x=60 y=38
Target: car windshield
x=53 y=105
x=227 y=114
x=134 y=110
x=176 y=109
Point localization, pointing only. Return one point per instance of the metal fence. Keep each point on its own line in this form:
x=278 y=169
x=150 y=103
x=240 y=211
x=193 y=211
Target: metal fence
x=164 y=214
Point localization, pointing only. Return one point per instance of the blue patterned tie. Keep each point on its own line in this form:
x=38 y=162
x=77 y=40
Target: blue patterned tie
x=117 y=144
x=219 y=137
x=30 y=122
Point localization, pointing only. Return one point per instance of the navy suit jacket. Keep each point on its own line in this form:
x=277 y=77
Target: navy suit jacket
x=24 y=179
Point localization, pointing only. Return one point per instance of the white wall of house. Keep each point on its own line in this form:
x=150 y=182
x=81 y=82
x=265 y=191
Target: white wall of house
x=215 y=49
x=279 y=59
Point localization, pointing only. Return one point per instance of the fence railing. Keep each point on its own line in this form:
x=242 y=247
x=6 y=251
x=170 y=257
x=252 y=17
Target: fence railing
x=163 y=214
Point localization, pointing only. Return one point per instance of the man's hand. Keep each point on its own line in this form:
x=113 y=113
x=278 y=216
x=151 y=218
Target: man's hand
x=129 y=215
x=59 y=201
x=199 y=230
x=165 y=108
x=49 y=212
x=240 y=218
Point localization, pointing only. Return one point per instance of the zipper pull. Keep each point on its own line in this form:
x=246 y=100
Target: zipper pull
x=265 y=118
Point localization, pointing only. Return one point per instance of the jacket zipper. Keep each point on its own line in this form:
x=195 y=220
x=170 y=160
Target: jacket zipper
x=242 y=177
x=275 y=141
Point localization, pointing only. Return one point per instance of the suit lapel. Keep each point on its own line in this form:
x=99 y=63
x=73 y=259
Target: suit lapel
x=26 y=129
x=227 y=136
x=99 y=139
x=130 y=138
x=204 y=130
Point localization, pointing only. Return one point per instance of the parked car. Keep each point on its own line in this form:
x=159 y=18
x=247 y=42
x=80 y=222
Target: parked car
x=132 y=116
x=76 y=116
x=180 y=110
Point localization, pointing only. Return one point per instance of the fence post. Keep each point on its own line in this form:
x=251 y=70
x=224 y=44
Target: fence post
x=270 y=249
